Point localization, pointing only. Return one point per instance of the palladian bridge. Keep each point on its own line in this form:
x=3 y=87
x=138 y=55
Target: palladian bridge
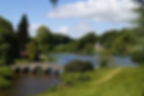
x=52 y=69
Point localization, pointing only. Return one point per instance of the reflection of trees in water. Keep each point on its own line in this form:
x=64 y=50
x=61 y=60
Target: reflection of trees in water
x=106 y=59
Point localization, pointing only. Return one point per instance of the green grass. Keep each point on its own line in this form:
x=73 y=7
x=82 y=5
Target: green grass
x=102 y=82
x=22 y=61
x=5 y=72
x=4 y=83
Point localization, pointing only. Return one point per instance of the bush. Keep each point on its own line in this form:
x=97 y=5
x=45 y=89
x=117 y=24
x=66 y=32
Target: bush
x=137 y=54
x=6 y=75
x=6 y=72
x=32 y=51
x=78 y=66
x=4 y=83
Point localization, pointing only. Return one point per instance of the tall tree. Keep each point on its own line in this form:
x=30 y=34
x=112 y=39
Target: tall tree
x=8 y=45
x=140 y=11
x=22 y=33
x=137 y=51
x=44 y=37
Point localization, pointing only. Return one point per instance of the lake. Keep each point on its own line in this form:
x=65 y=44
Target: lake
x=63 y=59
x=30 y=85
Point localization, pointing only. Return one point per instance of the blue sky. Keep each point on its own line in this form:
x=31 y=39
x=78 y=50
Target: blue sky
x=71 y=17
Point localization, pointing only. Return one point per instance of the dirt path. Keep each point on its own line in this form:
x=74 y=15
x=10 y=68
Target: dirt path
x=109 y=76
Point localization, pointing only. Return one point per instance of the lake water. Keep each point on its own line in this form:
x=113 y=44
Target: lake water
x=63 y=59
x=29 y=84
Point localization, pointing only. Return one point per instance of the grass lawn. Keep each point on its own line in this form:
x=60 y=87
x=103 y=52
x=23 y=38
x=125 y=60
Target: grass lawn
x=5 y=72
x=102 y=82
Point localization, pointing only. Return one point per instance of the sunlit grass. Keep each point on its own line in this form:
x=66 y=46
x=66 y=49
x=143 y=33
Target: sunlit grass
x=4 y=83
x=5 y=72
x=104 y=82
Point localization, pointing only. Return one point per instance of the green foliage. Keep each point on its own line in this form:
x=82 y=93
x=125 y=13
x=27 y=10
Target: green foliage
x=88 y=49
x=22 y=61
x=60 y=39
x=22 y=33
x=78 y=66
x=32 y=50
x=137 y=53
x=4 y=83
x=44 y=39
x=140 y=12
x=86 y=43
x=5 y=72
x=71 y=79
x=108 y=38
x=83 y=45
x=137 y=50
x=122 y=45
x=48 y=59
x=105 y=82
x=89 y=38
x=8 y=48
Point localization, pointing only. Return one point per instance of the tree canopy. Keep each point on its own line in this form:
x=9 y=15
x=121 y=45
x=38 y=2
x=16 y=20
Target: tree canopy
x=22 y=32
x=8 y=43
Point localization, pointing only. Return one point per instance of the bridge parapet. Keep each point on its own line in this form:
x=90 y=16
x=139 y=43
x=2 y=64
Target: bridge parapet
x=45 y=67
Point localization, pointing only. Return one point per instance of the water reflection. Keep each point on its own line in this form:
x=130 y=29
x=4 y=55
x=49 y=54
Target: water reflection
x=30 y=84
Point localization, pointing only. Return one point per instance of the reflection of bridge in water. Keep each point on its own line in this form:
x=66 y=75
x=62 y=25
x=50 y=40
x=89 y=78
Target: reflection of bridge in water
x=47 y=68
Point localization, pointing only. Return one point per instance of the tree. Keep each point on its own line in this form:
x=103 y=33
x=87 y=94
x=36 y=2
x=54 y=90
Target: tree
x=123 y=43
x=22 y=33
x=89 y=38
x=61 y=39
x=137 y=50
x=54 y=2
x=108 y=38
x=32 y=50
x=140 y=12
x=44 y=38
x=8 y=44
x=86 y=43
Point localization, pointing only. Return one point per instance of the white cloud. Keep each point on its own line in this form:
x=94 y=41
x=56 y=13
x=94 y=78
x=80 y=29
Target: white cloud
x=97 y=10
x=79 y=30
x=63 y=29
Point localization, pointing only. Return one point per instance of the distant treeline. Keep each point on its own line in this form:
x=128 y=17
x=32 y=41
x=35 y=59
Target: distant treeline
x=18 y=44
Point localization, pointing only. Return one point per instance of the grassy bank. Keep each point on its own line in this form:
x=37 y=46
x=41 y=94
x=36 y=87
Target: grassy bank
x=102 y=82
x=5 y=74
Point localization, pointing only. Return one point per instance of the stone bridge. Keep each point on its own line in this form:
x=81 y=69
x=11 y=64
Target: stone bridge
x=35 y=67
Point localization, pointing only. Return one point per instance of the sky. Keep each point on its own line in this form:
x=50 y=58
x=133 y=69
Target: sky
x=74 y=18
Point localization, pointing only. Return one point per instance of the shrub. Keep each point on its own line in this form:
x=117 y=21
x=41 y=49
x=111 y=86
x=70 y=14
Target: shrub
x=137 y=54
x=72 y=79
x=78 y=66
x=6 y=72
x=4 y=83
x=32 y=51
